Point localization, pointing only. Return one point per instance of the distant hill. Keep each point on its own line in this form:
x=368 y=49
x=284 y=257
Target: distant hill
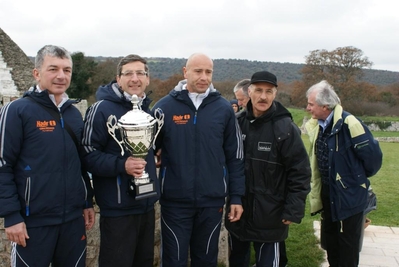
x=227 y=69
x=380 y=77
x=237 y=69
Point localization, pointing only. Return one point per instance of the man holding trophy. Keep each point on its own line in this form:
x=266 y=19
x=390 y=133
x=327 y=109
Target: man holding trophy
x=118 y=138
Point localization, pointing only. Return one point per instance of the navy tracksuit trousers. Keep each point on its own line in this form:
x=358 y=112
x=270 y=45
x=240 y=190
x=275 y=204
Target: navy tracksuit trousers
x=194 y=229
x=62 y=245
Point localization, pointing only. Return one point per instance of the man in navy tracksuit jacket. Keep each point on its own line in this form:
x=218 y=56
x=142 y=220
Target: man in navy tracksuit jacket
x=126 y=224
x=343 y=155
x=201 y=164
x=43 y=193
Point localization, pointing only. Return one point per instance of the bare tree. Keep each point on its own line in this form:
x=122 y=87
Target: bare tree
x=340 y=66
x=348 y=62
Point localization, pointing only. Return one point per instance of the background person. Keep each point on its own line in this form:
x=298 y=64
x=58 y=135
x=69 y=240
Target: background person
x=343 y=154
x=277 y=173
x=126 y=225
x=241 y=92
x=234 y=105
x=201 y=164
x=43 y=193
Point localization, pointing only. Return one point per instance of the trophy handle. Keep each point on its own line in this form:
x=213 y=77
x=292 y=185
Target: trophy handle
x=159 y=117
x=111 y=124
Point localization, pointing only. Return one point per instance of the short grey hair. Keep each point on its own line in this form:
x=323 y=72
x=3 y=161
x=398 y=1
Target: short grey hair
x=325 y=96
x=243 y=84
x=52 y=51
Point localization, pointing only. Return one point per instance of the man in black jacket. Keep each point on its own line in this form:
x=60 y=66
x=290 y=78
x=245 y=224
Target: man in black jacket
x=277 y=172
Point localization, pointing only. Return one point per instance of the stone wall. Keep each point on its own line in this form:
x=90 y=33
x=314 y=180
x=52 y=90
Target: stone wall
x=391 y=126
x=388 y=139
x=7 y=85
x=17 y=62
x=5 y=247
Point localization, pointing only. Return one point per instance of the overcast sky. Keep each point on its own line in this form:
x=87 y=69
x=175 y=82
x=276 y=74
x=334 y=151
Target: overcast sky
x=277 y=31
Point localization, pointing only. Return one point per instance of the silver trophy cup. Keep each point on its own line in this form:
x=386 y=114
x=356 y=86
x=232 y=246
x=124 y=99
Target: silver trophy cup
x=138 y=131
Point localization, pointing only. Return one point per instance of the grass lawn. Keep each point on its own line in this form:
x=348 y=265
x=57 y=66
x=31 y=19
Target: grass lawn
x=386 y=187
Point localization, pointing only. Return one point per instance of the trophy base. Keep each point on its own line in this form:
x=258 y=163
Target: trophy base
x=142 y=191
x=145 y=191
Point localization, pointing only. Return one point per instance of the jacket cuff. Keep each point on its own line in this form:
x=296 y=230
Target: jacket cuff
x=12 y=219
x=121 y=165
x=235 y=200
x=89 y=203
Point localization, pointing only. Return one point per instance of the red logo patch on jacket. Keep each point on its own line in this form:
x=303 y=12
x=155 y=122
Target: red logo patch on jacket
x=181 y=119
x=46 y=126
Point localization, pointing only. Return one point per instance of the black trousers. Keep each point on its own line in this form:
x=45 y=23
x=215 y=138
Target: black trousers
x=240 y=253
x=127 y=241
x=341 y=238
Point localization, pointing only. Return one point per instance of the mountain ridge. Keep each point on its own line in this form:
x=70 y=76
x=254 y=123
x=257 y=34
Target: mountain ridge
x=237 y=69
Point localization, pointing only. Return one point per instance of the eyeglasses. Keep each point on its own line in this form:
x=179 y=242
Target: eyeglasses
x=130 y=74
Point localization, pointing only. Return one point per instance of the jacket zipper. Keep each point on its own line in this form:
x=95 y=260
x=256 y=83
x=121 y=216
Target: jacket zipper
x=336 y=142
x=163 y=178
x=84 y=186
x=361 y=143
x=118 y=188
x=224 y=179
x=27 y=197
x=62 y=121
x=195 y=155
x=340 y=180
x=65 y=167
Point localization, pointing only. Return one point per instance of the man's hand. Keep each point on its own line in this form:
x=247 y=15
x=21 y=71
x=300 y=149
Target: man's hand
x=286 y=222
x=135 y=166
x=235 y=213
x=17 y=233
x=90 y=217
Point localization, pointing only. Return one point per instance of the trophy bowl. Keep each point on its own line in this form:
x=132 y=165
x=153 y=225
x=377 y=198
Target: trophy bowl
x=137 y=131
